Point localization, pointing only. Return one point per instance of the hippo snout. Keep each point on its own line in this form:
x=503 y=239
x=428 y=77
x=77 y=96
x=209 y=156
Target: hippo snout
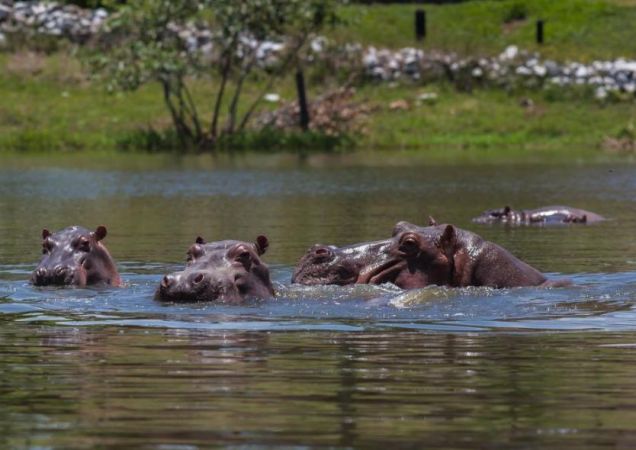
x=40 y=276
x=196 y=286
x=58 y=275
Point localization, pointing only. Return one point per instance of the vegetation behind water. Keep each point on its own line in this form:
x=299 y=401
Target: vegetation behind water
x=49 y=105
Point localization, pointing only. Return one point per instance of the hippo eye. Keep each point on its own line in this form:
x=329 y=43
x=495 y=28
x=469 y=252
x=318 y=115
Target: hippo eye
x=240 y=283
x=243 y=257
x=409 y=244
x=193 y=253
x=83 y=245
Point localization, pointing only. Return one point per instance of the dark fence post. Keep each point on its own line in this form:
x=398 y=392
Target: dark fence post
x=420 y=24
x=539 y=31
x=302 y=100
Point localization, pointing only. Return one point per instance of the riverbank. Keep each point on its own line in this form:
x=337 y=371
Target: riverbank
x=50 y=106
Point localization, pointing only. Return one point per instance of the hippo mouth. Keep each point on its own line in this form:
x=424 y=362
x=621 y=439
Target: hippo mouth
x=59 y=277
x=385 y=272
x=172 y=290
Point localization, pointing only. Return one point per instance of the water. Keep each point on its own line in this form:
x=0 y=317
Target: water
x=327 y=366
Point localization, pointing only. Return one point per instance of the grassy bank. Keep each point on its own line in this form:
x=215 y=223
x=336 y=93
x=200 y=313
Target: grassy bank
x=54 y=110
x=581 y=30
x=47 y=104
x=493 y=119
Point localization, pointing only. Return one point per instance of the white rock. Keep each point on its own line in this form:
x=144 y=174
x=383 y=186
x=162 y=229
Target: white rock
x=600 y=93
x=427 y=97
x=581 y=72
x=539 y=70
x=509 y=53
x=523 y=70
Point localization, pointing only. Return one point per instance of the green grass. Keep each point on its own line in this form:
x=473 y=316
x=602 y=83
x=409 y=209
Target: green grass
x=574 y=29
x=492 y=119
x=53 y=112
x=48 y=106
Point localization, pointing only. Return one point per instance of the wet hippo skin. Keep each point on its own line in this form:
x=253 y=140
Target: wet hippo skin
x=224 y=271
x=449 y=256
x=417 y=257
x=329 y=264
x=75 y=256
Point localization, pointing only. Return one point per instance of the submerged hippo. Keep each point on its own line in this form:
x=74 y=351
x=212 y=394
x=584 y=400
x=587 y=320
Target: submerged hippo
x=328 y=264
x=364 y=263
x=449 y=256
x=223 y=271
x=548 y=215
x=75 y=256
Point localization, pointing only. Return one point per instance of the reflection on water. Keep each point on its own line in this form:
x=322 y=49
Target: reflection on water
x=82 y=387
x=329 y=366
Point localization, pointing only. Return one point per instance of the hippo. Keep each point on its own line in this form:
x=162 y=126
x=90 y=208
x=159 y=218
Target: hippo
x=546 y=215
x=417 y=257
x=363 y=263
x=224 y=271
x=75 y=256
x=449 y=256
x=328 y=264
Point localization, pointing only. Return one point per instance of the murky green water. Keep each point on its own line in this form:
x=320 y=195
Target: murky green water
x=329 y=366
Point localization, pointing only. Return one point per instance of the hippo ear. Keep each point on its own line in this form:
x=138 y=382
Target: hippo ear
x=261 y=244
x=45 y=233
x=431 y=221
x=507 y=210
x=448 y=240
x=199 y=240
x=100 y=233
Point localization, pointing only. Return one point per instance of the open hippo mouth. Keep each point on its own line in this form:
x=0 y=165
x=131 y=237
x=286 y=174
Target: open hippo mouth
x=382 y=272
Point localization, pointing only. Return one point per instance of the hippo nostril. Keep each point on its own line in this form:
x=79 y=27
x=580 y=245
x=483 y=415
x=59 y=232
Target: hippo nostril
x=166 y=281
x=60 y=271
x=322 y=253
x=198 y=279
x=40 y=273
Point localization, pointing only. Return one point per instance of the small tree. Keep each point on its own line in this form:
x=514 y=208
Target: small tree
x=143 y=42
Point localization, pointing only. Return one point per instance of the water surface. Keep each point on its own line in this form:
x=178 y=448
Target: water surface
x=325 y=366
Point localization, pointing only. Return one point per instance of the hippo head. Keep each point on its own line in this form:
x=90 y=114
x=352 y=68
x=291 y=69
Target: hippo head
x=495 y=215
x=408 y=226
x=224 y=271
x=75 y=256
x=427 y=254
x=360 y=263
